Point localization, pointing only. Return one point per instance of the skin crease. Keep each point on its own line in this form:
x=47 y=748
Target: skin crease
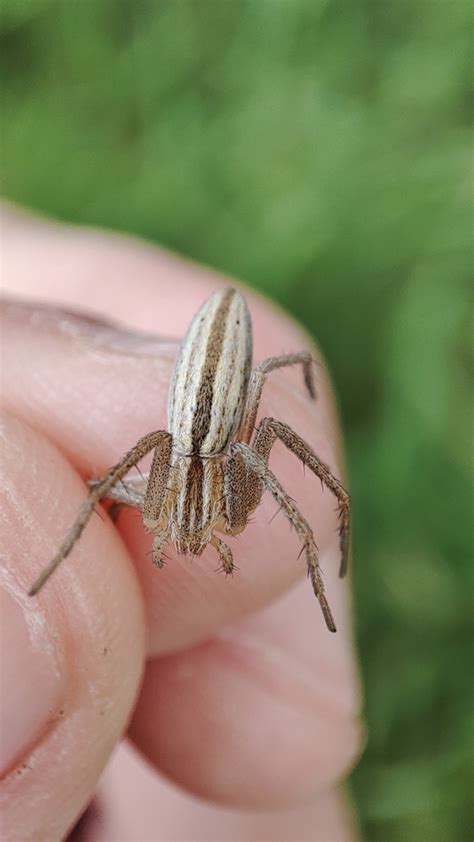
x=246 y=699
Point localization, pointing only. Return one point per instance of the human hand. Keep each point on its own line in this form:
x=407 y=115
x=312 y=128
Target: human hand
x=233 y=689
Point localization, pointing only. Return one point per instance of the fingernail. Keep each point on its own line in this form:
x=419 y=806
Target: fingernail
x=32 y=686
x=90 y=329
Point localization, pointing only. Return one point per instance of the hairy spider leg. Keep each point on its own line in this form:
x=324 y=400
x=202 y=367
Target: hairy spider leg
x=261 y=471
x=101 y=490
x=257 y=382
x=268 y=431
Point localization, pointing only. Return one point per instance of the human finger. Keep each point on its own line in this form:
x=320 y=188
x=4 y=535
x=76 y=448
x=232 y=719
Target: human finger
x=265 y=714
x=134 y=803
x=71 y=659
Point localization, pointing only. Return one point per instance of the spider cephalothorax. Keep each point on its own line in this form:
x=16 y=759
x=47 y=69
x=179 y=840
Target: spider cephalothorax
x=210 y=469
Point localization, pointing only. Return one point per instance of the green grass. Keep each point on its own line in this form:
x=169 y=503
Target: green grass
x=318 y=150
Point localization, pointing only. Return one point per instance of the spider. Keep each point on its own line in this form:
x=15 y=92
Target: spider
x=209 y=471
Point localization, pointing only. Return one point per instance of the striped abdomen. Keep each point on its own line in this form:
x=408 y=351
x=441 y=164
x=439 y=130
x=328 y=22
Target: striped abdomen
x=209 y=384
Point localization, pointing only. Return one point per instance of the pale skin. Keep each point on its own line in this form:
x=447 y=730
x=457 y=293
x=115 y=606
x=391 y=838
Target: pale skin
x=232 y=686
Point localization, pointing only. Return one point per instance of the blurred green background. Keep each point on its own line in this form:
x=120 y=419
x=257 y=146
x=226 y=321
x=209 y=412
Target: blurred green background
x=318 y=150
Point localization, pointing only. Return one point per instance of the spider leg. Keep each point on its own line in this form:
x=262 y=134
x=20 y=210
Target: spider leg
x=268 y=431
x=129 y=492
x=156 y=487
x=257 y=382
x=258 y=467
x=225 y=555
x=101 y=490
x=159 y=541
x=236 y=478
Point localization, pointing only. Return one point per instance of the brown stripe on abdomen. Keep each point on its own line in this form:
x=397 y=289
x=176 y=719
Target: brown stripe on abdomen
x=205 y=390
x=210 y=378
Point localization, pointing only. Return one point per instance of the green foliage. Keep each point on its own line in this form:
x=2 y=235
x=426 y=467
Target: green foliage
x=319 y=150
